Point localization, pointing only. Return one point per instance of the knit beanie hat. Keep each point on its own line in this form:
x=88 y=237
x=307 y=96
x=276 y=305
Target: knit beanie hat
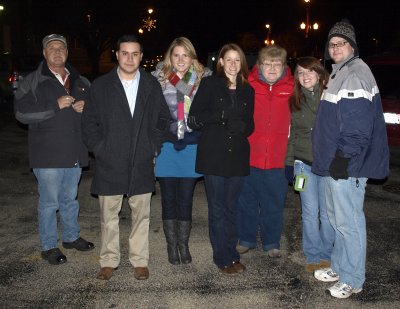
x=344 y=30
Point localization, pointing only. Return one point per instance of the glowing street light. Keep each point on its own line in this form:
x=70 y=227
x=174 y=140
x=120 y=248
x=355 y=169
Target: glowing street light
x=306 y=25
x=268 y=40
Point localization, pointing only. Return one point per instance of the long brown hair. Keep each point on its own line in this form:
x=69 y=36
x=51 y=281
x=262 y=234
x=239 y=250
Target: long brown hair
x=312 y=64
x=244 y=70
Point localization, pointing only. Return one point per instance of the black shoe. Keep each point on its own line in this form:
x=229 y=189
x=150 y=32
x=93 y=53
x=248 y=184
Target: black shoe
x=80 y=244
x=54 y=256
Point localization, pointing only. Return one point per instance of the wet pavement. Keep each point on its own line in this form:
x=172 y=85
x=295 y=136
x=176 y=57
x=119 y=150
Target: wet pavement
x=26 y=281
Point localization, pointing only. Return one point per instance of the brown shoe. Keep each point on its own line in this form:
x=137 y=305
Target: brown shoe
x=229 y=270
x=239 y=267
x=105 y=273
x=141 y=273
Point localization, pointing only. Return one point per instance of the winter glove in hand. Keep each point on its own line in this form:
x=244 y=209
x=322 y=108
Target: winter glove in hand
x=190 y=138
x=289 y=173
x=338 y=167
x=180 y=145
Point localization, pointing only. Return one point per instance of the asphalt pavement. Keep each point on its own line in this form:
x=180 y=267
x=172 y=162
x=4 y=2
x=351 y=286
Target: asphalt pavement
x=26 y=281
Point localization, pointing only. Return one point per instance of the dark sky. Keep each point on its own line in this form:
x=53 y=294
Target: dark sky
x=210 y=24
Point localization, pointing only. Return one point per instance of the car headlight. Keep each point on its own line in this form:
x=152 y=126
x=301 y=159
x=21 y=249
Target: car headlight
x=392 y=118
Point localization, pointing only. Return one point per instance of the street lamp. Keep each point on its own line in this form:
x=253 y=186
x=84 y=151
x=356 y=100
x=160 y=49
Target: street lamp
x=268 y=40
x=306 y=25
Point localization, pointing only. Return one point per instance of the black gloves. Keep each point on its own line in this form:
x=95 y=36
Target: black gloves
x=289 y=173
x=190 y=138
x=338 y=167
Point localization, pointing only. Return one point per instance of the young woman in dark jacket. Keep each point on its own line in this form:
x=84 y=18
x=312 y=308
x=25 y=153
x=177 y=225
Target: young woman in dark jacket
x=223 y=111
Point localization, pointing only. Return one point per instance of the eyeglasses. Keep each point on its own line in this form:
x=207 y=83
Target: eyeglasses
x=338 y=44
x=270 y=66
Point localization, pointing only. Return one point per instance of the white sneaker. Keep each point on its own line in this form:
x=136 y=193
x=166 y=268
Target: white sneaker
x=342 y=290
x=326 y=275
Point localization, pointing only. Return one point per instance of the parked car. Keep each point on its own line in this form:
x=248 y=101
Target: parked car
x=12 y=70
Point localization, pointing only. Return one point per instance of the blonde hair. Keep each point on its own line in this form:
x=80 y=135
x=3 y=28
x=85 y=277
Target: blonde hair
x=185 y=43
x=272 y=52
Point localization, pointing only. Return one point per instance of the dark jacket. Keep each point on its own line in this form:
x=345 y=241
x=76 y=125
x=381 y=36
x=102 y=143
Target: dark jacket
x=225 y=123
x=55 y=139
x=124 y=146
x=301 y=127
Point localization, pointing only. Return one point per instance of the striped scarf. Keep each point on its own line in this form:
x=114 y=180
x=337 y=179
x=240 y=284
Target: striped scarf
x=184 y=90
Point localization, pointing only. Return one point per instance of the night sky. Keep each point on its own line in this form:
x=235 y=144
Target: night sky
x=210 y=24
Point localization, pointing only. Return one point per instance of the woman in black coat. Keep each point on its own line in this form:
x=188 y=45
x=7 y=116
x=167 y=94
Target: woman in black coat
x=223 y=111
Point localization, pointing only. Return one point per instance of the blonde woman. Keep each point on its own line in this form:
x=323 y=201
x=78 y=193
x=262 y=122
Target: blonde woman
x=179 y=75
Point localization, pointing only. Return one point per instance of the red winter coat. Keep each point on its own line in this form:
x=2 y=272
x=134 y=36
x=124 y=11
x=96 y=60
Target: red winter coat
x=271 y=121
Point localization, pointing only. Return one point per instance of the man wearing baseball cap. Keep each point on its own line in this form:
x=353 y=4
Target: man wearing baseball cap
x=50 y=100
x=349 y=146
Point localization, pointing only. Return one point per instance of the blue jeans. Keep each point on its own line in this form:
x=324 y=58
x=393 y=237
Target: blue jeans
x=345 y=203
x=58 y=189
x=222 y=195
x=318 y=233
x=177 y=197
x=261 y=203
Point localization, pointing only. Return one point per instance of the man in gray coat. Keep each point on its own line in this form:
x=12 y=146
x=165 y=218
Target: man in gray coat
x=124 y=122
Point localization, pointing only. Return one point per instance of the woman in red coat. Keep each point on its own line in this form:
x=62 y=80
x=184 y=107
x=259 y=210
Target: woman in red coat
x=264 y=191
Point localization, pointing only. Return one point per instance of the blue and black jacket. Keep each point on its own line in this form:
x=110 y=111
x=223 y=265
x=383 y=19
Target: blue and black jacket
x=350 y=121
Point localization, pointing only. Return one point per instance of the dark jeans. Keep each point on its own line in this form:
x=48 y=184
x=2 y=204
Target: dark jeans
x=222 y=196
x=261 y=203
x=177 y=197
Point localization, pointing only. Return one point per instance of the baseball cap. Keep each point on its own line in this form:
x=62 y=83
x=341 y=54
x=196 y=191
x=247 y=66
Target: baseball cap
x=53 y=37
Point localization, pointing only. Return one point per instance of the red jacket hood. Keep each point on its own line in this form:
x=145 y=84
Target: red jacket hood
x=255 y=77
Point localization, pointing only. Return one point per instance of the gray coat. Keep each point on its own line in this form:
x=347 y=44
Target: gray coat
x=124 y=146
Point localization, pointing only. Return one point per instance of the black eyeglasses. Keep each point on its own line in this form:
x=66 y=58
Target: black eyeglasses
x=338 y=44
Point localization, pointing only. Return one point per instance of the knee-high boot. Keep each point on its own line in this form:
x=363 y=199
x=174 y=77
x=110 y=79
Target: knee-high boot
x=184 y=228
x=170 y=231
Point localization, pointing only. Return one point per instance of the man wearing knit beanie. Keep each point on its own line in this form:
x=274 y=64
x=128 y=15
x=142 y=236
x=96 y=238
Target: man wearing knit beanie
x=349 y=146
x=345 y=30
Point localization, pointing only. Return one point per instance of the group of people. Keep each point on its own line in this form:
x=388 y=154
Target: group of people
x=247 y=133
